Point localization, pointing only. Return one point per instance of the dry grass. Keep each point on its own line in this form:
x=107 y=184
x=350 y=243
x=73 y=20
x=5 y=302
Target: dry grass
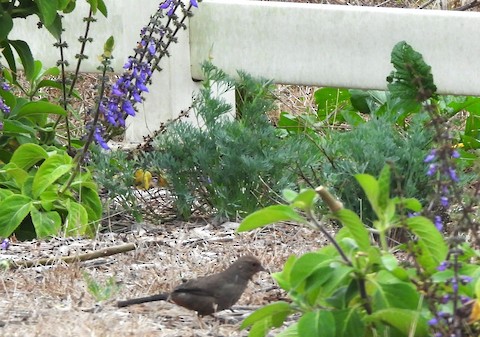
x=54 y=301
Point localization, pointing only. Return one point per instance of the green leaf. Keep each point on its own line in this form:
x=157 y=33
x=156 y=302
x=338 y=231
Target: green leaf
x=77 y=219
x=356 y=227
x=384 y=187
x=397 y=295
x=431 y=242
x=269 y=215
x=25 y=54
x=13 y=127
x=305 y=200
x=277 y=312
x=348 y=323
x=91 y=201
x=412 y=79
x=108 y=47
x=372 y=190
x=56 y=28
x=27 y=155
x=102 y=8
x=15 y=173
x=290 y=331
x=317 y=323
x=48 y=10
x=289 y=195
x=46 y=223
x=330 y=99
x=13 y=209
x=41 y=107
x=404 y=320
x=6 y=24
x=305 y=266
x=51 y=169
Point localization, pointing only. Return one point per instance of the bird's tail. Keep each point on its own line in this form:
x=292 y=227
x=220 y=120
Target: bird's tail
x=158 y=297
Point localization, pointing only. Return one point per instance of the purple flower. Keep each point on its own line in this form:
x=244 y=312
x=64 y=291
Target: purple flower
x=194 y=3
x=431 y=156
x=5 y=244
x=452 y=174
x=433 y=321
x=443 y=266
x=168 y=4
x=455 y=154
x=444 y=201
x=5 y=86
x=151 y=48
x=3 y=107
x=465 y=279
x=99 y=139
x=438 y=222
x=432 y=168
x=128 y=108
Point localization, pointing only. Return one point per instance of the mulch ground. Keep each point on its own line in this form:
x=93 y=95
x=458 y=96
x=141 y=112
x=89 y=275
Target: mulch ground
x=53 y=300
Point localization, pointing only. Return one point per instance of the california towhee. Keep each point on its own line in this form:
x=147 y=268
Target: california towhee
x=211 y=293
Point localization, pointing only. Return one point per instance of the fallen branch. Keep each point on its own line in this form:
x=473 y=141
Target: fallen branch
x=77 y=258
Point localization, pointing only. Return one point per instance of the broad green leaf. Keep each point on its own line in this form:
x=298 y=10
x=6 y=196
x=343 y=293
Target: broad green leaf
x=289 y=195
x=348 y=323
x=28 y=155
x=397 y=295
x=412 y=79
x=371 y=188
x=317 y=323
x=431 y=242
x=404 y=320
x=14 y=172
x=48 y=10
x=283 y=277
x=269 y=215
x=477 y=289
x=56 y=27
x=330 y=99
x=108 y=47
x=7 y=52
x=25 y=54
x=102 y=8
x=356 y=227
x=92 y=203
x=290 y=331
x=5 y=193
x=77 y=219
x=277 y=311
x=48 y=198
x=6 y=24
x=13 y=210
x=51 y=169
x=305 y=200
x=305 y=266
x=409 y=203
x=41 y=107
x=46 y=223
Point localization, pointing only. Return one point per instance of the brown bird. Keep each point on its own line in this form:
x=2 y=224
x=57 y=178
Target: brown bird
x=209 y=294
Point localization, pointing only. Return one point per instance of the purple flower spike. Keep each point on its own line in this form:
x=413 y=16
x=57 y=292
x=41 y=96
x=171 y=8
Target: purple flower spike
x=438 y=223
x=431 y=156
x=194 y=3
x=5 y=244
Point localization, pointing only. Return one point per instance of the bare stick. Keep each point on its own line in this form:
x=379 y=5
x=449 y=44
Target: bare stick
x=70 y=259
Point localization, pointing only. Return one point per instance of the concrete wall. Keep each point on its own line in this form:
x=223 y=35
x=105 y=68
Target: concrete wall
x=312 y=44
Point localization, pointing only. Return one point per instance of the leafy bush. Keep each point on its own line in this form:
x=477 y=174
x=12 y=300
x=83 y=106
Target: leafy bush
x=229 y=165
x=355 y=287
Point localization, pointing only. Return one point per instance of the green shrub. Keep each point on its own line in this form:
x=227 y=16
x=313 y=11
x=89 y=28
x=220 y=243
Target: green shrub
x=225 y=164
